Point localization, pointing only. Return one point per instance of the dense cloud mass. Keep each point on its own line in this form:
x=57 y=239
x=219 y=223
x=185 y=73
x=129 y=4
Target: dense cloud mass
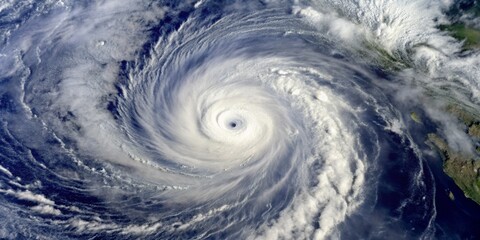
x=205 y=119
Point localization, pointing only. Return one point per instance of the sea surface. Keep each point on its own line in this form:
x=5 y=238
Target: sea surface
x=138 y=119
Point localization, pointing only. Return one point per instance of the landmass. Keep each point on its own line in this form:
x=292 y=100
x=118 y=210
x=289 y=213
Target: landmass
x=463 y=168
x=462 y=32
x=451 y=196
x=461 y=28
x=415 y=117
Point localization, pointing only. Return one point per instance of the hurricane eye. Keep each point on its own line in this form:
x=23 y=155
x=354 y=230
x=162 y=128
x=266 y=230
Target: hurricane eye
x=273 y=119
x=234 y=125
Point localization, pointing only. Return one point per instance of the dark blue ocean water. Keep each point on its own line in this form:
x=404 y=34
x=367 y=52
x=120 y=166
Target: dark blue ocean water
x=58 y=179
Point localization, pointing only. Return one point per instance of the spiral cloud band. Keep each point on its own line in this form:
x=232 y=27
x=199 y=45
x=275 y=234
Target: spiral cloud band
x=216 y=120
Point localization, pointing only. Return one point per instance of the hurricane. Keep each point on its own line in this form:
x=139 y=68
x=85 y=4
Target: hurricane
x=325 y=119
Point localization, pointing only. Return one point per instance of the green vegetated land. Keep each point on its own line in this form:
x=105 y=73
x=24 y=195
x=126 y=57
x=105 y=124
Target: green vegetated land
x=462 y=32
x=390 y=61
x=459 y=29
x=415 y=117
x=463 y=168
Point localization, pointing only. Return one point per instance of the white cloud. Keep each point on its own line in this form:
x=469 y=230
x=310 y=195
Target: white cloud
x=29 y=196
x=5 y=171
x=46 y=209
